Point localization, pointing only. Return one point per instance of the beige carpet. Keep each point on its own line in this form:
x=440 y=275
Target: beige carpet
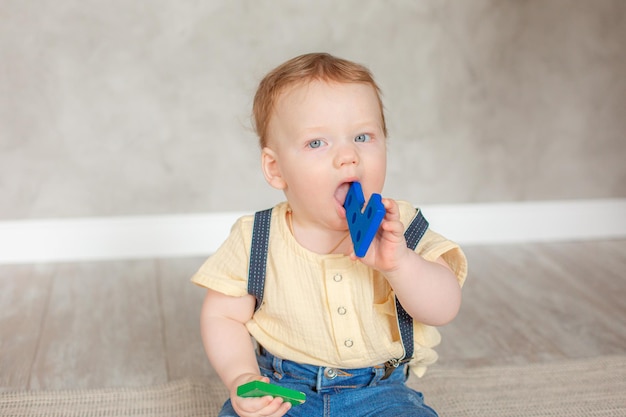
x=575 y=388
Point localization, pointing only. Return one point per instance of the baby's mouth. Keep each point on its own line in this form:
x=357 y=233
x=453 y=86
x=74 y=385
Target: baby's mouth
x=342 y=192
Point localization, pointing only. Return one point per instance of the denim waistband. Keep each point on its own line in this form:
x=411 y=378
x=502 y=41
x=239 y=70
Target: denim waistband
x=327 y=379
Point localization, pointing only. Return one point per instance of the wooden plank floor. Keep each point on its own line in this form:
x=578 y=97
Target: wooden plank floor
x=131 y=323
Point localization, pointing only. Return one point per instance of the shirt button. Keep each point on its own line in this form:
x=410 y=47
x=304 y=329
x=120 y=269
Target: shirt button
x=342 y=310
x=330 y=373
x=348 y=343
x=338 y=277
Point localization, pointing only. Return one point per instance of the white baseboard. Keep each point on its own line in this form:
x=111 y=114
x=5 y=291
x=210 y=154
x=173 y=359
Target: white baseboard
x=68 y=240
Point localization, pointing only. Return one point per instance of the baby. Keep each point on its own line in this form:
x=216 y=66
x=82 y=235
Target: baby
x=341 y=329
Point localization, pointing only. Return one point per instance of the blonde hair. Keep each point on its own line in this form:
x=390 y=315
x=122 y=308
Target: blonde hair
x=302 y=69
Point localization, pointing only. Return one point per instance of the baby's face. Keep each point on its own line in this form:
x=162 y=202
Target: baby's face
x=323 y=136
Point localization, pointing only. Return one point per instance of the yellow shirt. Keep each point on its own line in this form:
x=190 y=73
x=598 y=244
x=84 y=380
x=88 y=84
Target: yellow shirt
x=324 y=310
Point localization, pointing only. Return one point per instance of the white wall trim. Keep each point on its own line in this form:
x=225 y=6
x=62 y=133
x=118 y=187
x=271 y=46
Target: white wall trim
x=82 y=239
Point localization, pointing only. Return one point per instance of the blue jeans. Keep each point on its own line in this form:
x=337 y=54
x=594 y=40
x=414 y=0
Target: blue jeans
x=343 y=392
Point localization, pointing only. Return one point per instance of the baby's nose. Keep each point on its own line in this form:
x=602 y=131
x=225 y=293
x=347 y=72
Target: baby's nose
x=347 y=155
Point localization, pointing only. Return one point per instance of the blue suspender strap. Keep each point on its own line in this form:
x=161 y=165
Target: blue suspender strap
x=412 y=235
x=416 y=230
x=258 y=255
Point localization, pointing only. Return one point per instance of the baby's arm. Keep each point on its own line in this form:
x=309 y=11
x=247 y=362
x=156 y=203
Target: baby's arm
x=428 y=291
x=231 y=352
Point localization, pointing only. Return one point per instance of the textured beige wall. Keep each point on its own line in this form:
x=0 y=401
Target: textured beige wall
x=142 y=107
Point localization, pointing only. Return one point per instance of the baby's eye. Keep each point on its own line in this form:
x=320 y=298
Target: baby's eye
x=315 y=143
x=363 y=137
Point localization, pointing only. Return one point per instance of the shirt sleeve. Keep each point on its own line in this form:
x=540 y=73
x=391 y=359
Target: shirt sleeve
x=226 y=271
x=433 y=246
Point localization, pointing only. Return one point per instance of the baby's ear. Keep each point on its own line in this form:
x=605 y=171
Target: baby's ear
x=271 y=170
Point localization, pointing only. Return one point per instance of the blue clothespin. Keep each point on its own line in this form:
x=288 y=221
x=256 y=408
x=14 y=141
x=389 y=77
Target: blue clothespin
x=363 y=225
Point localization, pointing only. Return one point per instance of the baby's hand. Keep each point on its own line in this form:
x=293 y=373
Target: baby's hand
x=259 y=406
x=389 y=245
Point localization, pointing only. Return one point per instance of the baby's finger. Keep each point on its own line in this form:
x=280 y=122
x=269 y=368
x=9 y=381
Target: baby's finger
x=392 y=210
x=276 y=408
x=252 y=405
